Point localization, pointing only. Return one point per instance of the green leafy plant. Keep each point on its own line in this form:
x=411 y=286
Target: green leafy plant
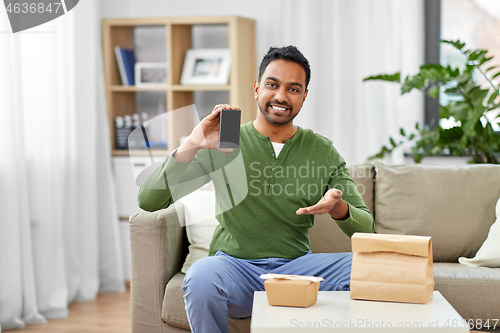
x=473 y=134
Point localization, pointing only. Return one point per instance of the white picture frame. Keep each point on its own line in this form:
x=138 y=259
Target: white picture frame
x=150 y=73
x=206 y=67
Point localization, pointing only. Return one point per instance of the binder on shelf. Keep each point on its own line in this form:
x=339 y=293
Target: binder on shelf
x=126 y=62
x=123 y=128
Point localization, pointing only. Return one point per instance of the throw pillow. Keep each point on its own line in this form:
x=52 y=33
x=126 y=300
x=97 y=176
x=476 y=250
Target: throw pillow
x=488 y=254
x=452 y=204
x=199 y=215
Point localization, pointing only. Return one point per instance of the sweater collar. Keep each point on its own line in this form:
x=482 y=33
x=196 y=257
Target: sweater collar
x=266 y=138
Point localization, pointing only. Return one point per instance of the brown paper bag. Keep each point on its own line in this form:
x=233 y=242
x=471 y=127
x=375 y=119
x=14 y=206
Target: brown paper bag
x=394 y=268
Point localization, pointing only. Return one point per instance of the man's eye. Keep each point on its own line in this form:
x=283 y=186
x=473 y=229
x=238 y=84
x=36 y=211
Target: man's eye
x=294 y=90
x=270 y=84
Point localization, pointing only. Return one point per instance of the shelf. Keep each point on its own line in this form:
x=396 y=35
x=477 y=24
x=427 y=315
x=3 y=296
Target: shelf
x=138 y=88
x=145 y=152
x=126 y=100
x=181 y=20
x=178 y=87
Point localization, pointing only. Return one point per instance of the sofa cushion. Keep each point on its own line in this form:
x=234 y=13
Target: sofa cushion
x=325 y=235
x=472 y=291
x=173 y=311
x=199 y=217
x=488 y=254
x=455 y=205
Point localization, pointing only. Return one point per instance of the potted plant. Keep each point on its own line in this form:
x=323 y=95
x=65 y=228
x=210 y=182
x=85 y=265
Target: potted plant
x=470 y=109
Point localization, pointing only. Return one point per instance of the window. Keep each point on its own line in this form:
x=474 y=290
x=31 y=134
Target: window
x=474 y=22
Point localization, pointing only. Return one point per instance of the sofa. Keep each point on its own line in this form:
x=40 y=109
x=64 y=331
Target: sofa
x=453 y=204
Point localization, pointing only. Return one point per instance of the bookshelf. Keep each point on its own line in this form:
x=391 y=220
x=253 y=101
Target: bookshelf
x=121 y=100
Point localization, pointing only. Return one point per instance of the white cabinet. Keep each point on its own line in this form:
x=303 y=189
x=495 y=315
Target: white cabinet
x=126 y=170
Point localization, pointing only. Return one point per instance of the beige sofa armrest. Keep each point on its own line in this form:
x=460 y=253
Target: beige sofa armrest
x=156 y=246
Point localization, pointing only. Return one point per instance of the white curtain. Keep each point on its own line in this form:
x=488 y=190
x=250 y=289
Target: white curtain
x=59 y=239
x=346 y=41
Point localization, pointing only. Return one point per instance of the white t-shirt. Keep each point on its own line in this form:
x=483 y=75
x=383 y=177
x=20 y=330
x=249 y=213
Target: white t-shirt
x=277 y=147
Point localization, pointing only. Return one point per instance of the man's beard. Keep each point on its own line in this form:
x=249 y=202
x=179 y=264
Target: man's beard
x=285 y=119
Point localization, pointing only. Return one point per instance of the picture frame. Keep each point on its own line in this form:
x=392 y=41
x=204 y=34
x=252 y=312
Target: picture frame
x=206 y=67
x=150 y=73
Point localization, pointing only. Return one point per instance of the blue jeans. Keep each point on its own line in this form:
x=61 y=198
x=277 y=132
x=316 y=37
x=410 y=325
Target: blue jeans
x=222 y=286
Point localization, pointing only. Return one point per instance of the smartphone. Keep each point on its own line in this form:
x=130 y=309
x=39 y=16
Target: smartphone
x=229 y=132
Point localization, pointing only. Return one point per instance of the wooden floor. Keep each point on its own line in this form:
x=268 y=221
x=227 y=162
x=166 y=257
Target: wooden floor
x=110 y=313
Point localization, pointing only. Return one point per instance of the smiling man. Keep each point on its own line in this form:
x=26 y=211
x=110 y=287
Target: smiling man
x=282 y=93
x=292 y=174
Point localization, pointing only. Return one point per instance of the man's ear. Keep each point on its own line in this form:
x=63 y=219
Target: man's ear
x=256 y=89
x=305 y=95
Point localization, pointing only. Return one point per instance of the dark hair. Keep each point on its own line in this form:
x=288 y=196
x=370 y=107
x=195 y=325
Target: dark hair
x=290 y=53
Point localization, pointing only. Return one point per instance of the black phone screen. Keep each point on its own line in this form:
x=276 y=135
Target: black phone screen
x=229 y=134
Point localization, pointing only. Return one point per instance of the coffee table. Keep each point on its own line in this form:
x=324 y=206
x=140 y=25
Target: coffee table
x=336 y=312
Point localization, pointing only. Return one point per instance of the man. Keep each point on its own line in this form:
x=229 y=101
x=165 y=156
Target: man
x=292 y=174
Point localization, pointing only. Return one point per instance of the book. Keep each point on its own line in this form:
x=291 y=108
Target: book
x=126 y=62
x=129 y=58
x=121 y=65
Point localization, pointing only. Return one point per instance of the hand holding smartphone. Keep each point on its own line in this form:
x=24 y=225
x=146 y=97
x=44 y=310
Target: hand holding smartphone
x=229 y=130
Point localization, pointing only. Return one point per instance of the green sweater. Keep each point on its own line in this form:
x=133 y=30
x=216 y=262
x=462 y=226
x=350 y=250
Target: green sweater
x=258 y=194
